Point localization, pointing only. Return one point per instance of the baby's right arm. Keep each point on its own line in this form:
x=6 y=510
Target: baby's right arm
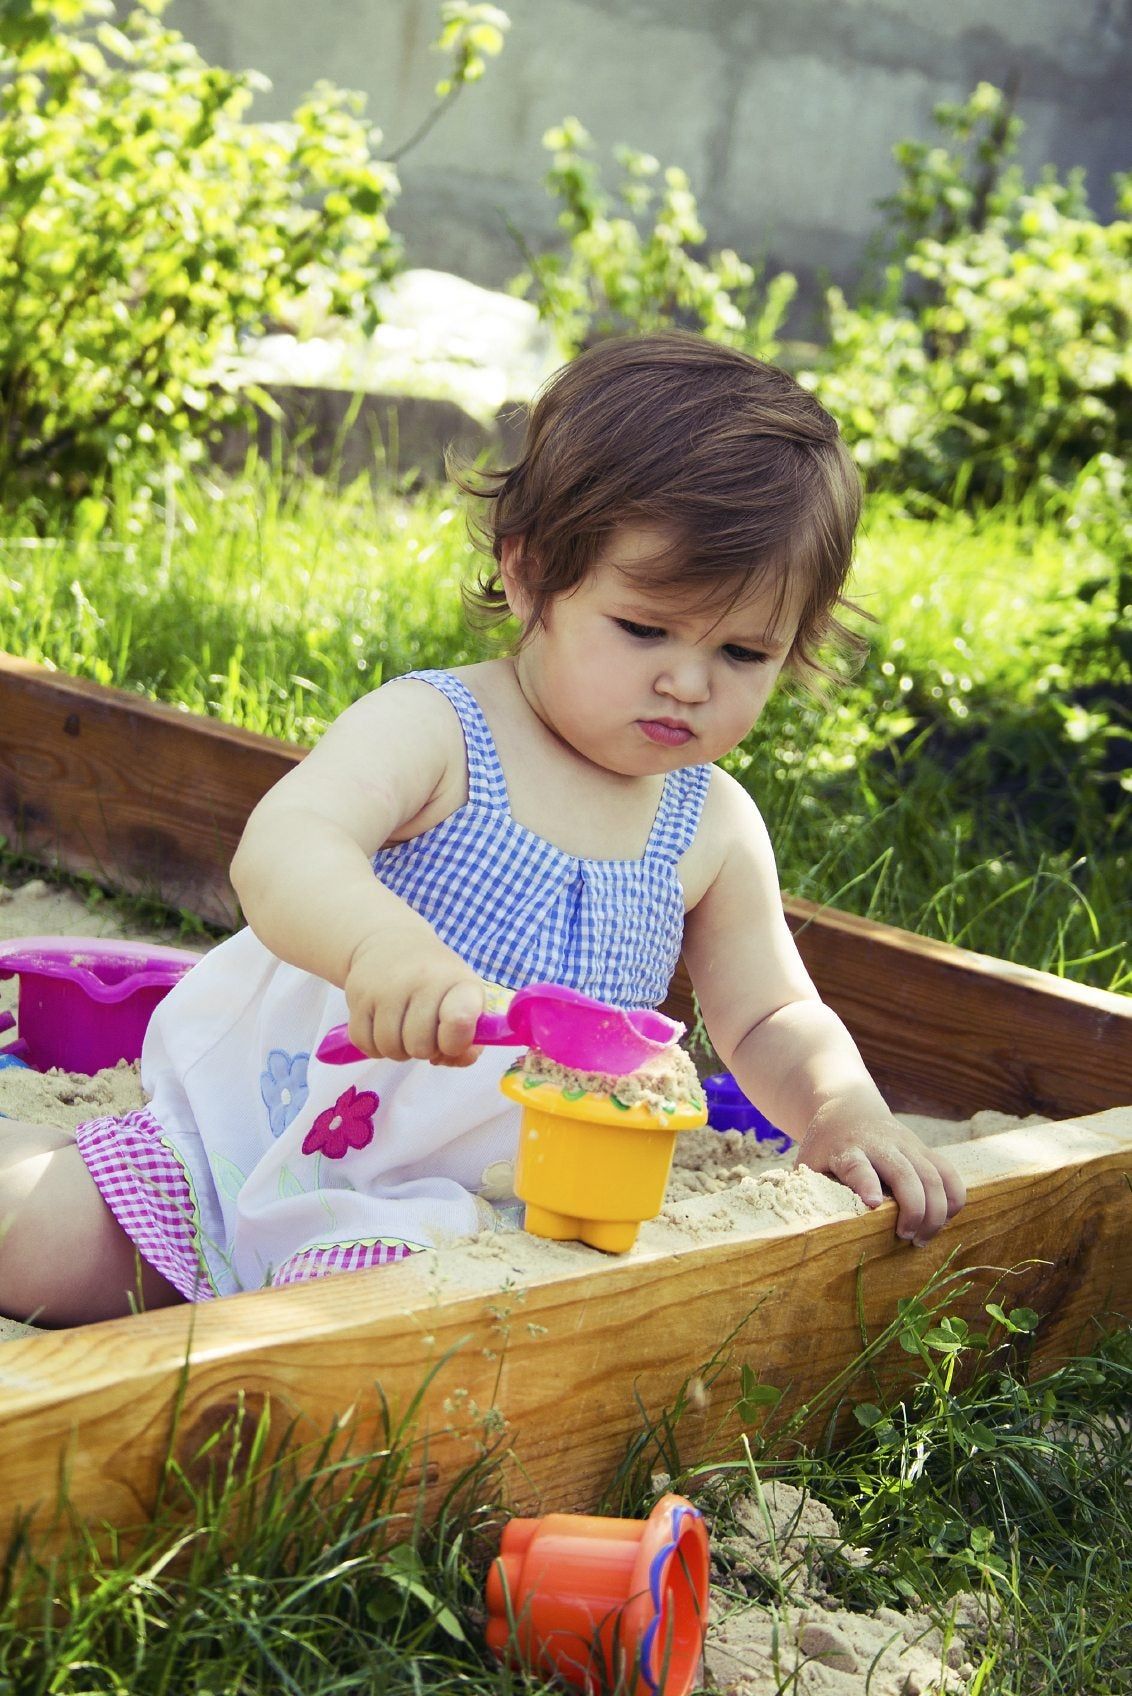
x=391 y=766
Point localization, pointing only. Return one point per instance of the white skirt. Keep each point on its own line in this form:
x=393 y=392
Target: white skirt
x=255 y=1163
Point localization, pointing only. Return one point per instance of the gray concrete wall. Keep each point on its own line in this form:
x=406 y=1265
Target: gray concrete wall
x=784 y=112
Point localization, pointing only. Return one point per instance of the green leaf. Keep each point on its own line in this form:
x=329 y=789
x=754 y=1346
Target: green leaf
x=1019 y=1319
x=753 y=1396
x=230 y=1180
x=404 y=1569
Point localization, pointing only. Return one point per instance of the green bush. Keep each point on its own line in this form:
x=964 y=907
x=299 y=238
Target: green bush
x=146 y=226
x=617 y=276
x=997 y=359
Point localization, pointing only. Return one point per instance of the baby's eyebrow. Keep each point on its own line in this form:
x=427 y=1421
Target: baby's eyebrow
x=764 y=644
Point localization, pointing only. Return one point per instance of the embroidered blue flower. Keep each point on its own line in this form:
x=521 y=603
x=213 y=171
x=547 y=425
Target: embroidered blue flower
x=283 y=1087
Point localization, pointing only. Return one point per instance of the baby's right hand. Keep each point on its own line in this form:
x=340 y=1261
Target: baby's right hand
x=410 y=999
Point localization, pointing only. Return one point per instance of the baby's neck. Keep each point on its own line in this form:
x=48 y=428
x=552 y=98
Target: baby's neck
x=554 y=791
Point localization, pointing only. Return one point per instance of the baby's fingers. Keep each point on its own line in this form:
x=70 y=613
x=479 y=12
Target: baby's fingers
x=923 y=1201
x=898 y=1173
x=459 y=1009
x=953 y=1186
x=851 y=1166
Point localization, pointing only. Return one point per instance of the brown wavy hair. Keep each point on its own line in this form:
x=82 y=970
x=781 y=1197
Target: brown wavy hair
x=740 y=471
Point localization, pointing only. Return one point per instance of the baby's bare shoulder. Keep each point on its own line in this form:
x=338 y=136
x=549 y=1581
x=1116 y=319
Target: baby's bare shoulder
x=389 y=756
x=731 y=833
x=420 y=718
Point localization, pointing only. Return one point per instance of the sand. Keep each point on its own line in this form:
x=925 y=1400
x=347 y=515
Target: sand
x=665 y=1082
x=804 y=1641
x=69 y=1099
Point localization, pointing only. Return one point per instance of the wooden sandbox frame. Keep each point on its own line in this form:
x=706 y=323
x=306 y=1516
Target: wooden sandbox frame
x=152 y=800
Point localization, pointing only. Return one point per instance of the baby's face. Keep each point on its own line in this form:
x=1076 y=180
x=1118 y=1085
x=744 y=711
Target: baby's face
x=641 y=680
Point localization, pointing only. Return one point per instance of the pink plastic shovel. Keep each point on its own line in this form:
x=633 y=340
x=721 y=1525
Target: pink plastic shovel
x=569 y=1027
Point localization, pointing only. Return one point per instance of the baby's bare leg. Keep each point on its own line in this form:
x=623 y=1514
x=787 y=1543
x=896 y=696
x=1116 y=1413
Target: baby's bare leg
x=64 y=1258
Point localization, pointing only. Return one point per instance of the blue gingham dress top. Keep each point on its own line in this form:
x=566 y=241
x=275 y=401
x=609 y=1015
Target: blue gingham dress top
x=255 y=1163
x=519 y=910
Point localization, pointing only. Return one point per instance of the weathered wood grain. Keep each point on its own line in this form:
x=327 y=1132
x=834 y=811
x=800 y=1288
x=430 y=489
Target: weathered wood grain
x=143 y=797
x=950 y=1032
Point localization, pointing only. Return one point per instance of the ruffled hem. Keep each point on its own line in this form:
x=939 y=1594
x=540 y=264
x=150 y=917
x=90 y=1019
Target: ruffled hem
x=148 y=1190
x=321 y=1260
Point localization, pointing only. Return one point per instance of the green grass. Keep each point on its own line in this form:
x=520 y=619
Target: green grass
x=988 y=1481
x=967 y=785
x=270 y=605
x=266 y=1567
x=259 y=1576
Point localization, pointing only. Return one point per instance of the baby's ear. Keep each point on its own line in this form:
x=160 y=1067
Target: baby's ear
x=511 y=576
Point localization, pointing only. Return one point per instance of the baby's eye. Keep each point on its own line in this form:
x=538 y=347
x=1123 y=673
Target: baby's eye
x=643 y=632
x=744 y=656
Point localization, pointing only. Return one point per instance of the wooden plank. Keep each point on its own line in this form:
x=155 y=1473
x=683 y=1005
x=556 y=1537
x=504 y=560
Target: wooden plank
x=946 y=1024
x=563 y=1363
x=947 y=1031
x=144 y=797
x=153 y=800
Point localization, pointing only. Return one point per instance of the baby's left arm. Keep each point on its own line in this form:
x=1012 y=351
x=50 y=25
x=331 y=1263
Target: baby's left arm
x=789 y=1052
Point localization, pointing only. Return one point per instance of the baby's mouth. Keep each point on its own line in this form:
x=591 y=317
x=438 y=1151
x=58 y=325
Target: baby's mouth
x=668 y=732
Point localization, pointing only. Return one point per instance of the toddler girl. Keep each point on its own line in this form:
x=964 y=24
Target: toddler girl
x=677 y=532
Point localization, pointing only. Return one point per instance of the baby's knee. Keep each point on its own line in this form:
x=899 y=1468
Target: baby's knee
x=19 y=1137
x=56 y=1232
x=64 y=1258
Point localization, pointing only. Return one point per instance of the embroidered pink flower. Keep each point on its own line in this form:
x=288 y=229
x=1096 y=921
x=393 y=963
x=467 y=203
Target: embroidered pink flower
x=346 y=1125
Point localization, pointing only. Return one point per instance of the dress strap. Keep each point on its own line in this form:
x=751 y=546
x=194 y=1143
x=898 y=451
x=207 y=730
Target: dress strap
x=487 y=786
x=678 y=816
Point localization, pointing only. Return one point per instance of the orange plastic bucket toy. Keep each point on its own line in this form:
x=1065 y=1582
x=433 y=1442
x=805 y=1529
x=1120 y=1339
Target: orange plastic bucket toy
x=604 y=1603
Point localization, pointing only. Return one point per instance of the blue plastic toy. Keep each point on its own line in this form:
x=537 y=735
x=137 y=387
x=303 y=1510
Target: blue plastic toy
x=730 y=1110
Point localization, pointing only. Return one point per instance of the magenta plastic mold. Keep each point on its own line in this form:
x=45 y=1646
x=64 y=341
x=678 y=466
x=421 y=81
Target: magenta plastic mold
x=85 y=1002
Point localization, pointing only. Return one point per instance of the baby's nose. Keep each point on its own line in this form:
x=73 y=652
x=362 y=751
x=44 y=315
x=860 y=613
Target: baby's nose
x=685 y=677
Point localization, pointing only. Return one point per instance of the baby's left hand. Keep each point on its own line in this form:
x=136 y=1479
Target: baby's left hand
x=872 y=1150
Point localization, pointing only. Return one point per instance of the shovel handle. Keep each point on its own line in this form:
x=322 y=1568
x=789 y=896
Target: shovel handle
x=336 y=1049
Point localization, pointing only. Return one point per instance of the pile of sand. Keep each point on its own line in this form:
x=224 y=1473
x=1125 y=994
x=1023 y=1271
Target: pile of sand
x=667 y=1081
x=805 y=1641
x=68 y=1099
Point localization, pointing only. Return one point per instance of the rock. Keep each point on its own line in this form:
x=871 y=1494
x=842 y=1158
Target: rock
x=824 y=1643
x=450 y=363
